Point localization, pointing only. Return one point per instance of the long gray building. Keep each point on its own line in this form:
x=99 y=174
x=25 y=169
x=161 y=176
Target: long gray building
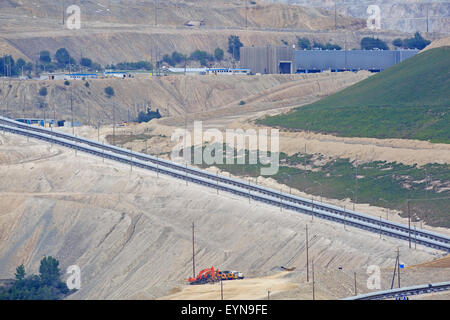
x=279 y=60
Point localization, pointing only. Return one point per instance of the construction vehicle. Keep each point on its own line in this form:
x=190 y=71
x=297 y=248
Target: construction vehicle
x=211 y=275
x=206 y=276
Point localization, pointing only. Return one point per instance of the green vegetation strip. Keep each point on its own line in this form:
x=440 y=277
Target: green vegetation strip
x=410 y=100
x=382 y=184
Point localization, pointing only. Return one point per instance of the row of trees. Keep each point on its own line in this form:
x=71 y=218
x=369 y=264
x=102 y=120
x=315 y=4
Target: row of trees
x=45 y=286
x=234 y=45
x=11 y=68
x=370 y=43
x=416 y=42
x=305 y=44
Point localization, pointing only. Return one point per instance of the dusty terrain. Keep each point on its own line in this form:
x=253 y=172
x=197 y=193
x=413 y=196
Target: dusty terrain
x=172 y=95
x=113 y=32
x=130 y=231
x=405 y=15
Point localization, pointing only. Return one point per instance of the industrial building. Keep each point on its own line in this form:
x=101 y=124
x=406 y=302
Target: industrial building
x=268 y=60
x=286 y=60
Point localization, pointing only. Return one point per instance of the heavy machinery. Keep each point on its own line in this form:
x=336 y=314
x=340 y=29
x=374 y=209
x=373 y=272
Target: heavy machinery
x=206 y=276
x=212 y=275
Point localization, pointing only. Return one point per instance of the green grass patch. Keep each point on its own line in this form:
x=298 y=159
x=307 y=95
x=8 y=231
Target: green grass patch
x=410 y=101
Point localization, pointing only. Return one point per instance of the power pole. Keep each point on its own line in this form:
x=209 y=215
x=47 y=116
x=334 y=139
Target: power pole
x=63 y=12
x=427 y=17
x=246 y=14
x=356 y=291
x=398 y=266
x=114 y=123
x=221 y=288
x=409 y=225
x=395 y=271
x=313 y=282
x=193 y=251
x=307 y=255
x=335 y=15
x=71 y=110
x=156 y=12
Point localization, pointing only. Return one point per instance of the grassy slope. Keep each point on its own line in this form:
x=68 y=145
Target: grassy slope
x=410 y=100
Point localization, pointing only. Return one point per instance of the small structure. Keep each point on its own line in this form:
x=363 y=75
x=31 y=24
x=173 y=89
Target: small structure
x=116 y=74
x=53 y=76
x=80 y=76
x=194 y=23
x=46 y=123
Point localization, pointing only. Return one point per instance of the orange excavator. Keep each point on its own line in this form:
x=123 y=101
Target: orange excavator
x=206 y=276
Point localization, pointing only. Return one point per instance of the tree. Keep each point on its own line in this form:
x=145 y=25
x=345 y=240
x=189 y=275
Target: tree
x=304 y=43
x=398 y=43
x=85 y=62
x=109 y=91
x=20 y=273
x=368 y=43
x=49 y=271
x=219 y=54
x=202 y=56
x=417 y=42
x=63 y=58
x=45 y=57
x=234 y=46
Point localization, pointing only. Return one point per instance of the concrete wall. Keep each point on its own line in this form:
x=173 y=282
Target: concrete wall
x=320 y=60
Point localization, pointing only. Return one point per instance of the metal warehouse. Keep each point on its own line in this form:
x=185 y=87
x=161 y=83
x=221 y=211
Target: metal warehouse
x=268 y=59
x=280 y=60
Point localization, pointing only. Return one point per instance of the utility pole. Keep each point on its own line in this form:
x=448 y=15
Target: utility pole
x=335 y=15
x=415 y=237
x=246 y=14
x=156 y=12
x=356 y=291
x=114 y=123
x=428 y=17
x=356 y=182
x=307 y=255
x=398 y=266
x=63 y=12
x=409 y=225
x=221 y=288
x=71 y=110
x=313 y=282
x=193 y=251
x=380 y=227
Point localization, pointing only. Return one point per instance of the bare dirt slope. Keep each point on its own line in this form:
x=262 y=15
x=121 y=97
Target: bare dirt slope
x=130 y=232
x=113 y=32
x=172 y=95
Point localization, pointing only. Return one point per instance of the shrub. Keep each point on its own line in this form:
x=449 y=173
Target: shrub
x=43 y=91
x=219 y=54
x=109 y=91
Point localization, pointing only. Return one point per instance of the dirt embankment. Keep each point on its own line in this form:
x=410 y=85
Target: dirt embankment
x=130 y=232
x=172 y=95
